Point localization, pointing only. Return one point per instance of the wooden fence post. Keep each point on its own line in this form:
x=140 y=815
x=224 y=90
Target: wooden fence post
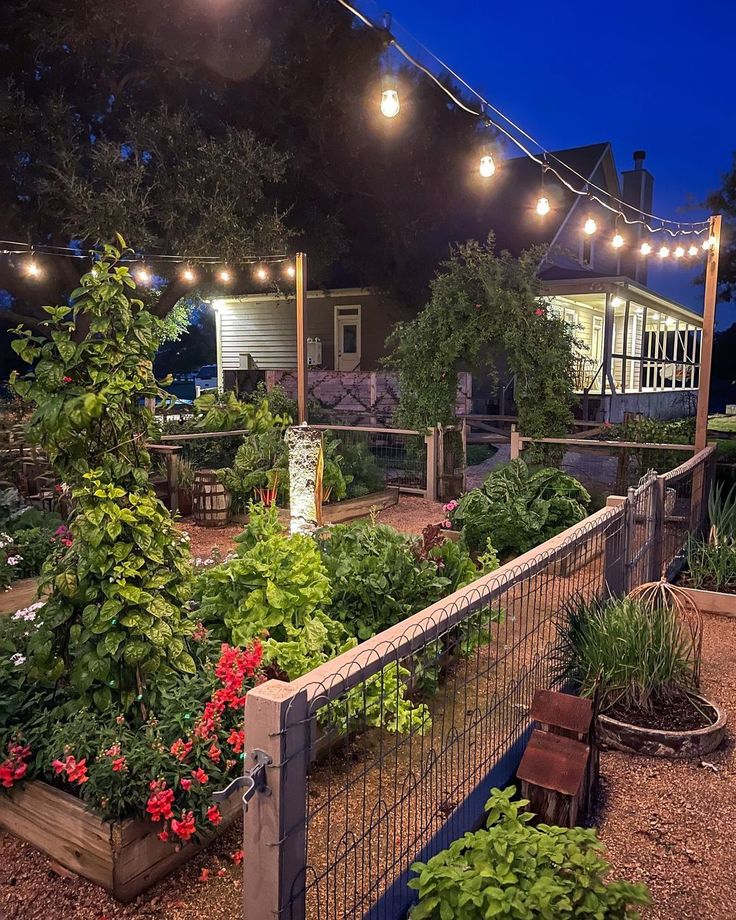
x=629 y=531
x=430 y=439
x=274 y=838
x=657 y=526
x=515 y=451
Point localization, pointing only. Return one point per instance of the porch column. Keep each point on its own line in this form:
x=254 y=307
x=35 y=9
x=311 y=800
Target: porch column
x=606 y=374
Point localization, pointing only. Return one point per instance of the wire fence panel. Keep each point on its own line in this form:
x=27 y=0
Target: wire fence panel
x=383 y=456
x=386 y=754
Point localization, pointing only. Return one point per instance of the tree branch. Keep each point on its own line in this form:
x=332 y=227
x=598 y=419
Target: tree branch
x=10 y=317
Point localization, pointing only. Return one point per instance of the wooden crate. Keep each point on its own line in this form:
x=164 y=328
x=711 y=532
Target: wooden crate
x=124 y=857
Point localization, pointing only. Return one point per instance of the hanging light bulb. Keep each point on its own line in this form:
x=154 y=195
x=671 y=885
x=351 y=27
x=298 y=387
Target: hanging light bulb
x=262 y=273
x=33 y=270
x=188 y=275
x=645 y=249
x=663 y=252
x=709 y=243
x=225 y=276
x=543 y=206
x=679 y=252
x=487 y=165
x=390 y=105
x=618 y=241
x=617 y=301
x=142 y=276
x=290 y=271
x=590 y=226
x=693 y=250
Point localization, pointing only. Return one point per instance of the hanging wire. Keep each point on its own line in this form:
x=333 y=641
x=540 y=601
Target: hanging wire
x=697 y=227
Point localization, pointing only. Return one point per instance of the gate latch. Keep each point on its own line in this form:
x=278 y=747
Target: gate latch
x=253 y=780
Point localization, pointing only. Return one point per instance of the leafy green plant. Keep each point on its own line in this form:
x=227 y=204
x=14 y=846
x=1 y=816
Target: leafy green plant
x=711 y=565
x=361 y=472
x=517 y=509
x=34 y=545
x=638 y=654
x=722 y=513
x=261 y=459
x=225 y=412
x=512 y=869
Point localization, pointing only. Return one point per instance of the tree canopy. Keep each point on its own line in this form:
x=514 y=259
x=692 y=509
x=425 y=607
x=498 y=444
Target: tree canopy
x=724 y=202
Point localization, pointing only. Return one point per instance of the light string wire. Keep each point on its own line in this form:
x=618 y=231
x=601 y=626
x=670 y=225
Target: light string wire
x=697 y=227
x=70 y=252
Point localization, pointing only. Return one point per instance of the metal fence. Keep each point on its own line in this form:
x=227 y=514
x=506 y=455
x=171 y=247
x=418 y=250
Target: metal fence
x=386 y=754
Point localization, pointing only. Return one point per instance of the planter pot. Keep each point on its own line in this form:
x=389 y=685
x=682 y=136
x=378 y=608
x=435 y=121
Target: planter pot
x=124 y=857
x=21 y=594
x=654 y=742
x=717 y=603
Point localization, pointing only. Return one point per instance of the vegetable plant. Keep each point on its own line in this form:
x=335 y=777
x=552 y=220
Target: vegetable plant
x=512 y=869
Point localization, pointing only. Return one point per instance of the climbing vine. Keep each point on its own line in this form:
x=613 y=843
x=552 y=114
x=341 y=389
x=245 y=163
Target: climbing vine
x=485 y=305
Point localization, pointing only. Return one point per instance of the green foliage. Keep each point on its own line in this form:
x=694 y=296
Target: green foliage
x=376 y=577
x=725 y=424
x=511 y=869
x=362 y=473
x=722 y=513
x=34 y=545
x=635 y=463
x=711 y=566
x=479 y=453
x=261 y=461
x=225 y=412
x=517 y=509
x=637 y=654
x=482 y=304
x=115 y=620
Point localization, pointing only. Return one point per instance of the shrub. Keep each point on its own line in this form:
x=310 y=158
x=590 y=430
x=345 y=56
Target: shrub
x=34 y=545
x=512 y=869
x=711 y=566
x=517 y=509
x=638 y=654
x=361 y=471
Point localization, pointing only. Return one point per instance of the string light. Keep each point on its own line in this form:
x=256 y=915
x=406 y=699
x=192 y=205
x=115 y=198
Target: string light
x=618 y=241
x=709 y=243
x=543 y=206
x=487 y=165
x=590 y=226
x=188 y=275
x=645 y=249
x=390 y=105
x=33 y=270
x=262 y=273
x=290 y=271
x=142 y=276
x=679 y=252
x=693 y=250
x=225 y=276
x=663 y=252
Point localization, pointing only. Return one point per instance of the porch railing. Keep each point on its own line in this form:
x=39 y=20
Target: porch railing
x=358 y=788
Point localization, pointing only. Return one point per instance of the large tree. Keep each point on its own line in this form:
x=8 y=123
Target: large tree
x=224 y=128
x=724 y=202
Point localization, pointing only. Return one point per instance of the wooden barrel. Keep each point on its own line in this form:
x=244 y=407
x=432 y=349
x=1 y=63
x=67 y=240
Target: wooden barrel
x=210 y=500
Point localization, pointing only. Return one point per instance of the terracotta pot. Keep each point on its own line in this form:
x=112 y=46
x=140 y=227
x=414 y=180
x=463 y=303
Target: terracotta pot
x=655 y=742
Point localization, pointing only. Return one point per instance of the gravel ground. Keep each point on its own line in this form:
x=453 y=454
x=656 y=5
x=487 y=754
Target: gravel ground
x=670 y=824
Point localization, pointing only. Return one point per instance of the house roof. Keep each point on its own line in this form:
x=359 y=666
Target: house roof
x=507 y=204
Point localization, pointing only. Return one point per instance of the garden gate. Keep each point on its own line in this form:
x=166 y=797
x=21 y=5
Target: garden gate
x=351 y=808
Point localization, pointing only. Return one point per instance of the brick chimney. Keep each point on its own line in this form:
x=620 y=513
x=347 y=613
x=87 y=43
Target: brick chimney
x=638 y=185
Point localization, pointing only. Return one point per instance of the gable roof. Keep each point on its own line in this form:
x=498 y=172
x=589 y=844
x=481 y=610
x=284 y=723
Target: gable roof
x=507 y=203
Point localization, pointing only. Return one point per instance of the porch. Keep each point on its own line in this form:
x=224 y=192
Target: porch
x=635 y=350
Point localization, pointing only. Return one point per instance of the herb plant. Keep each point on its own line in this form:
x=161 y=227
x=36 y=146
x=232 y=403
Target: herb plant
x=511 y=869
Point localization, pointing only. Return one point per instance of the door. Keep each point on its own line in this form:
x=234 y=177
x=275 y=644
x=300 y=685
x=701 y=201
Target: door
x=347 y=338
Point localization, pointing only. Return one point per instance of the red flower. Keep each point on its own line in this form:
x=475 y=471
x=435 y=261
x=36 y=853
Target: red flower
x=159 y=804
x=200 y=775
x=222 y=872
x=186 y=784
x=236 y=739
x=164 y=835
x=539 y=312
x=237 y=857
x=59 y=766
x=180 y=748
x=118 y=764
x=76 y=770
x=67 y=379
x=204 y=875
x=213 y=814
x=214 y=753
x=184 y=827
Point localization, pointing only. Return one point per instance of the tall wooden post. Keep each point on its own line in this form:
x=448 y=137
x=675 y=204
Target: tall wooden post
x=709 y=319
x=301 y=336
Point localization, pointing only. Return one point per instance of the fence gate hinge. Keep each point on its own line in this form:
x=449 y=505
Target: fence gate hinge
x=254 y=780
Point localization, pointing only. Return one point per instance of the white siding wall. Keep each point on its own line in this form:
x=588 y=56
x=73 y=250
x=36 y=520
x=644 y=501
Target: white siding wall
x=265 y=329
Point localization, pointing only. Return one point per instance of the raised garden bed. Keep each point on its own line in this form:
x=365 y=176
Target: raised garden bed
x=124 y=857
x=348 y=509
x=717 y=603
x=655 y=742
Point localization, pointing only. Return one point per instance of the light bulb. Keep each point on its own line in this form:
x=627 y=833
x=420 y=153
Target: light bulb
x=617 y=301
x=679 y=252
x=543 y=206
x=390 y=104
x=225 y=276
x=487 y=166
x=663 y=252
x=618 y=241
x=693 y=250
x=188 y=275
x=142 y=276
x=262 y=274
x=590 y=226
x=645 y=249
x=290 y=271
x=709 y=243
x=33 y=270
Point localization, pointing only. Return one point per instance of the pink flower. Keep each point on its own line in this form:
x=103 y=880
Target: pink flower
x=184 y=827
x=237 y=857
x=539 y=312
x=186 y=784
x=67 y=379
x=58 y=766
x=213 y=814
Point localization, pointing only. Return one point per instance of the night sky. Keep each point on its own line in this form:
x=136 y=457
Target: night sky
x=642 y=75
